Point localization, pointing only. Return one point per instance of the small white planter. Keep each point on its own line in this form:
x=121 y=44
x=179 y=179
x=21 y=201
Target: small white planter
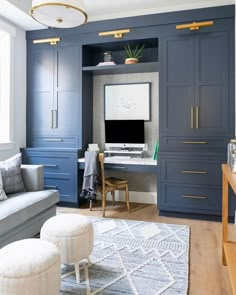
x=131 y=60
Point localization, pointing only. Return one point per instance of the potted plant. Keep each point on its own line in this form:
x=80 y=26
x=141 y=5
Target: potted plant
x=132 y=56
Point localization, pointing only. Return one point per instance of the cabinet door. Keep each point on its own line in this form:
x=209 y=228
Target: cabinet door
x=177 y=86
x=66 y=90
x=40 y=96
x=212 y=83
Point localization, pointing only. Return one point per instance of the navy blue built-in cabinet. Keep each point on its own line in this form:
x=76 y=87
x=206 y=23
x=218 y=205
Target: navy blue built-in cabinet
x=196 y=101
x=54 y=96
x=196 y=119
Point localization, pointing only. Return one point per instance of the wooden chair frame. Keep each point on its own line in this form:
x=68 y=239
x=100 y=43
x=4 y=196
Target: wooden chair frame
x=110 y=184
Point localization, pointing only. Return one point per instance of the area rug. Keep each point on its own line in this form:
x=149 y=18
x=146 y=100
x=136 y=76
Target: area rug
x=133 y=257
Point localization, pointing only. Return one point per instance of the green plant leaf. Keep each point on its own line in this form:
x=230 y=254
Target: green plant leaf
x=136 y=52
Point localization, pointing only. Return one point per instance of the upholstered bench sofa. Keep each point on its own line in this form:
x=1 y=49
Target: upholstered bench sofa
x=22 y=214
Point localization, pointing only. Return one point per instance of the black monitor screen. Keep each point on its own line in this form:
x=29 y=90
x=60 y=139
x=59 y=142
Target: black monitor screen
x=124 y=131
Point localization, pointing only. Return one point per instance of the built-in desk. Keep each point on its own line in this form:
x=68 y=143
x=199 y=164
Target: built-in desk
x=146 y=165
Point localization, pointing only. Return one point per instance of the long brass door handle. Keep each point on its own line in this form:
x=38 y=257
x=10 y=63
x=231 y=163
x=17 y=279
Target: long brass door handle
x=193 y=172
x=191 y=117
x=194 y=197
x=197 y=117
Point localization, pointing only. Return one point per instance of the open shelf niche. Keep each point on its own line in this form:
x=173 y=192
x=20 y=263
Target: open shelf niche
x=93 y=54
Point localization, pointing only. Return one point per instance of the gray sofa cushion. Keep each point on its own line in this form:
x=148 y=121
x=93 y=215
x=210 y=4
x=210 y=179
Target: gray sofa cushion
x=11 y=174
x=2 y=192
x=20 y=207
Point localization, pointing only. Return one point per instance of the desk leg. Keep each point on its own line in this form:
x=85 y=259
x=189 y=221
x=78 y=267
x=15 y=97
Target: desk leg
x=225 y=200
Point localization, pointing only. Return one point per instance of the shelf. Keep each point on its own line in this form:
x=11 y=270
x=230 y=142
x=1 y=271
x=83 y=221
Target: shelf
x=144 y=67
x=230 y=254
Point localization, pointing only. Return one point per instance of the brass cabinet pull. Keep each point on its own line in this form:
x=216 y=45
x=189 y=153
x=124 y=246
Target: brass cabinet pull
x=56 y=119
x=197 y=117
x=50 y=166
x=191 y=123
x=116 y=167
x=51 y=187
x=53 y=139
x=51 y=119
x=194 y=172
x=195 y=142
x=194 y=197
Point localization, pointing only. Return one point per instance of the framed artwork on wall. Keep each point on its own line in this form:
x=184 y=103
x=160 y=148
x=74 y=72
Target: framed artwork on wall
x=127 y=101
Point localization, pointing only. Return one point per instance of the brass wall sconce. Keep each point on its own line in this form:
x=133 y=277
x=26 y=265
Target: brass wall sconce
x=194 y=26
x=117 y=33
x=52 y=41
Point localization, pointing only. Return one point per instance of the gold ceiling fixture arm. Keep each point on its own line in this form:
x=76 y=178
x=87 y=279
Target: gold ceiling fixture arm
x=52 y=41
x=116 y=33
x=194 y=26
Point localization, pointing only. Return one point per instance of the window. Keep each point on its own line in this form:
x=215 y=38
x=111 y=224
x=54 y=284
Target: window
x=6 y=76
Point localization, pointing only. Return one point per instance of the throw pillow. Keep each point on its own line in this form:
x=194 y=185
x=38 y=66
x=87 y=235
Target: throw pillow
x=2 y=193
x=11 y=174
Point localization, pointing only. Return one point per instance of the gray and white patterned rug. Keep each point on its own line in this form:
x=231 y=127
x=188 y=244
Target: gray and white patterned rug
x=133 y=257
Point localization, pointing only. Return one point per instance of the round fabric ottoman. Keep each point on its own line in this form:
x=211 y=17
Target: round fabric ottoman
x=30 y=266
x=73 y=235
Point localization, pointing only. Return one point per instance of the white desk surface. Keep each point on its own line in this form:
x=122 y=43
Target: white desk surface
x=131 y=161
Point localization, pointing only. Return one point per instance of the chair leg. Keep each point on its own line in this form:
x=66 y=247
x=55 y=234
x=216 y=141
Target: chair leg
x=113 y=197
x=127 y=197
x=77 y=272
x=90 y=205
x=103 y=204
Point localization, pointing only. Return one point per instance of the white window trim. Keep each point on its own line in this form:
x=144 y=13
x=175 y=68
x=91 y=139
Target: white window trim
x=12 y=32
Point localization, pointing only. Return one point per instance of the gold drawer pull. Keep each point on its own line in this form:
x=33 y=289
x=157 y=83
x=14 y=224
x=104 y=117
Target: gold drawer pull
x=50 y=166
x=194 y=172
x=195 y=142
x=194 y=197
x=53 y=139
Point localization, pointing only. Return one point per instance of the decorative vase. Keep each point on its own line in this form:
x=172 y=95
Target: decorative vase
x=131 y=60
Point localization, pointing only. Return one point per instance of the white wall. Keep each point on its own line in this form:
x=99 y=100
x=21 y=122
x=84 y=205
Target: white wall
x=19 y=96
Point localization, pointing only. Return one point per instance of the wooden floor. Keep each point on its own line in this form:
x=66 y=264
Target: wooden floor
x=207 y=275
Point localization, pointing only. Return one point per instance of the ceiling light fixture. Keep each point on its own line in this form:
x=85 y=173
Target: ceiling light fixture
x=59 y=14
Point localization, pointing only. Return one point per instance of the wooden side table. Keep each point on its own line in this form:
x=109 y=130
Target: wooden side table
x=228 y=247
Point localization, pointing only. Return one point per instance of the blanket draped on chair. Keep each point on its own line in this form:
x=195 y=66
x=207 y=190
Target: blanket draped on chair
x=90 y=176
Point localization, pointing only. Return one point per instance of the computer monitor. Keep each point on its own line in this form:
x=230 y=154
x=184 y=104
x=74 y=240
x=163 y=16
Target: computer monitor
x=124 y=131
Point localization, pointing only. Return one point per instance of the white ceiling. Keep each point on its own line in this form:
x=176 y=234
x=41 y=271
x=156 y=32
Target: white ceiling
x=18 y=11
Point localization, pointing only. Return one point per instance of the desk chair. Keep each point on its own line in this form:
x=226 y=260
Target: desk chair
x=110 y=184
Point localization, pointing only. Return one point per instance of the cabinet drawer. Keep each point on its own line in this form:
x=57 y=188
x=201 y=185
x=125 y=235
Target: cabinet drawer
x=53 y=163
x=64 y=185
x=191 y=199
x=55 y=141
x=191 y=172
x=195 y=144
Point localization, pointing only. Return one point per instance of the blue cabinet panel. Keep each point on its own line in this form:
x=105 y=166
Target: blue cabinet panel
x=60 y=170
x=197 y=172
x=54 y=96
x=196 y=119
x=179 y=57
x=191 y=199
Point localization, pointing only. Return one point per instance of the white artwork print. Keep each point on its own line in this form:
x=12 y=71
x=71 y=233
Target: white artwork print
x=127 y=102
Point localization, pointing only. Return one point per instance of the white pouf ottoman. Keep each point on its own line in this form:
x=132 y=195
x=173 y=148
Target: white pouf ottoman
x=73 y=235
x=30 y=266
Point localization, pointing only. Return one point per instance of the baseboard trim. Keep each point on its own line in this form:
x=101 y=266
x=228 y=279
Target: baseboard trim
x=134 y=197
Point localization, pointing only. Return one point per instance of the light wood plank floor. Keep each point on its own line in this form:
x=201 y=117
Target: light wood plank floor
x=207 y=275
